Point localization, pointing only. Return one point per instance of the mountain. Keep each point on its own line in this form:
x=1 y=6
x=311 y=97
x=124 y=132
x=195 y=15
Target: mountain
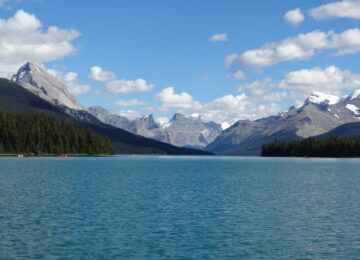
x=39 y=82
x=108 y=118
x=180 y=130
x=320 y=114
x=345 y=130
x=18 y=98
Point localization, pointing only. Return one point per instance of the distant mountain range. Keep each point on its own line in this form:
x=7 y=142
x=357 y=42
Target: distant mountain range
x=34 y=90
x=180 y=130
x=321 y=115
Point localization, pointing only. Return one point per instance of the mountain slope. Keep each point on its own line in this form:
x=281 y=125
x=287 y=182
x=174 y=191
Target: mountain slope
x=180 y=130
x=39 y=82
x=345 y=130
x=319 y=114
x=15 y=98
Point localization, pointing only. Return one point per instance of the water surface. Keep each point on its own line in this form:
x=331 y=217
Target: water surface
x=179 y=208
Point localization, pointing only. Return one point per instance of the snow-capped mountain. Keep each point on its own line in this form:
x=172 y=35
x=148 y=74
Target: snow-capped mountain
x=180 y=130
x=38 y=81
x=319 y=114
x=320 y=98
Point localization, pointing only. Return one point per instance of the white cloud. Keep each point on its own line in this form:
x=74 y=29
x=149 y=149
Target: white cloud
x=257 y=87
x=23 y=39
x=128 y=113
x=121 y=86
x=264 y=98
x=170 y=99
x=162 y=120
x=342 y=9
x=129 y=102
x=301 y=47
x=71 y=81
x=239 y=74
x=331 y=80
x=127 y=86
x=226 y=108
x=98 y=74
x=219 y=37
x=294 y=17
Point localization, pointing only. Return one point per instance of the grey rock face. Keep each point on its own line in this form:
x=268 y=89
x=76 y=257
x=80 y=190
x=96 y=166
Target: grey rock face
x=180 y=130
x=110 y=119
x=319 y=114
x=38 y=81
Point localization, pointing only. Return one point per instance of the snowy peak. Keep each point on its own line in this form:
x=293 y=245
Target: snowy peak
x=38 y=81
x=320 y=98
x=354 y=95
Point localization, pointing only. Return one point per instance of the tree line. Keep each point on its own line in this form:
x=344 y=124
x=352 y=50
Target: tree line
x=323 y=147
x=37 y=134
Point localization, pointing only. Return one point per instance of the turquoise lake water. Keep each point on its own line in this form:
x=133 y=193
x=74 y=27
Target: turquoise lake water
x=179 y=208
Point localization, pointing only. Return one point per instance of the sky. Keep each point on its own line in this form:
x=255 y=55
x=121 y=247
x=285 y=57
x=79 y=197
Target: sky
x=225 y=60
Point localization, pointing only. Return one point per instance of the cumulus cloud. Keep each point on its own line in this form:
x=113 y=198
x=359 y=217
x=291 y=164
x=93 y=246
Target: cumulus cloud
x=330 y=80
x=219 y=37
x=264 y=97
x=294 y=17
x=128 y=113
x=129 y=102
x=23 y=39
x=171 y=99
x=128 y=86
x=121 y=86
x=71 y=81
x=239 y=74
x=98 y=74
x=301 y=47
x=257 y=87
x=225 y=108
x=342 y=9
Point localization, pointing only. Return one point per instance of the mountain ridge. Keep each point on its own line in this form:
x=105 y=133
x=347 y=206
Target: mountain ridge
x=17 y=98
x=320 y=114
x=180 y=130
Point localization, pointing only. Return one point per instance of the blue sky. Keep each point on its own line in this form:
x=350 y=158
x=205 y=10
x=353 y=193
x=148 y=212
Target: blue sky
x=167 y=44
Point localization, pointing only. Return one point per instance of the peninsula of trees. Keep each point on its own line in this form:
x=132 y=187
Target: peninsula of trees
x=311 y=147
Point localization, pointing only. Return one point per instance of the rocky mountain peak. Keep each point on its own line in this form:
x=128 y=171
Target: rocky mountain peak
x=177 y=116
x=37 y=80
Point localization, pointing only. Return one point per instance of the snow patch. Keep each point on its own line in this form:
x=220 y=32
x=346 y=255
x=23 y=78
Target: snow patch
x=355 y=94
x=320 y=98
x=167 y=124
x=206 y=132
x=225 y=125
x=353 y=109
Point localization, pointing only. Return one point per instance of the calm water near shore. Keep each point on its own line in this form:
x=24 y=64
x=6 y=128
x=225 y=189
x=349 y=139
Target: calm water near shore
x=148 y=207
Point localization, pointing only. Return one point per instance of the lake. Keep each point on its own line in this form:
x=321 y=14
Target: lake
x=149 y=207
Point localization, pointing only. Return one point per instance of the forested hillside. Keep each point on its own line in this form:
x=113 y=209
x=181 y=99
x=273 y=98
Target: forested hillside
x=37 y=134
x=311 y=147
